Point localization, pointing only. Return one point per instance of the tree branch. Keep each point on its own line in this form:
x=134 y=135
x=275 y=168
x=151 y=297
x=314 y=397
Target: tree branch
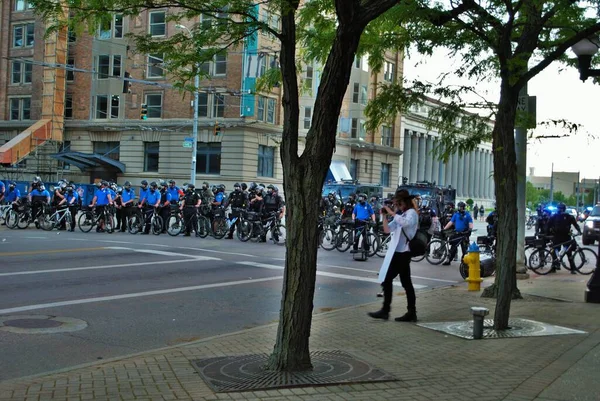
x=371 y=9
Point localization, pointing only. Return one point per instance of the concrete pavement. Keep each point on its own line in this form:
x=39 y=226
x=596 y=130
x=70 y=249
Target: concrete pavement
x=430 y=365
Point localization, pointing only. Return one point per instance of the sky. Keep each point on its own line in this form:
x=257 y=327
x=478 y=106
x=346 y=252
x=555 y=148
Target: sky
x=560 y=95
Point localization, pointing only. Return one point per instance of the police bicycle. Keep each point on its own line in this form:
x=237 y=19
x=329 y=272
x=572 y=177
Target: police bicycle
x=348 y=232
x=90 y=218
x=4 y=210
x=50 y=222
x=260 y=228
x=135 y=220
x=214 y=224
x=584 y=260
x=242 y=225
x=438 y=248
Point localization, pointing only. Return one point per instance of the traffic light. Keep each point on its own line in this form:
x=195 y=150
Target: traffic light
x=217 y=129
x=127 y=83
x=144 y=112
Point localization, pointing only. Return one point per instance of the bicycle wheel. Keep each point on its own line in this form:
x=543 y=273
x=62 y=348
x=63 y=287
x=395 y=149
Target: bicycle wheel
x=278 y=235
x=12 y=218
x=86 y=222
x=23 y=220
x=156 y=225
x=585 y=260
x=174 y=226
x=328 y=239
x=374 y=244
x=47 y=222
x=528 y=251
x=134 y=224
x=343 y=241
x=244 y=231
x=220 y=227
x=256 y=231
x=436 y=252
x=203 y=226
x=464 y=270
x=69 y=220
x=383 y=245
x=540 y=261
x=109 y=223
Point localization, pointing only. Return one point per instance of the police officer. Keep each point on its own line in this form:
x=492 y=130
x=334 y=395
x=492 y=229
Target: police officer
x=237 y=200
x=559 y=226
x=376 y=206
x=143 y=193
x=152 y=201
x=127 y=199
x=72 y=200
x=245 y=188
x=492 y=221
x=60 y=201
x=190 y=204
x=2 y=192
x=361 y=214
x=120 y=210
x=272 y=202
x=463 y=223
x=252 y=190
x=13 y=193
x=257 y=201
x=219 y=196
x=349 y=207
x=101 y=200
x=36 y=183
x=165 y=203
x=174 y=193
x=38 y=198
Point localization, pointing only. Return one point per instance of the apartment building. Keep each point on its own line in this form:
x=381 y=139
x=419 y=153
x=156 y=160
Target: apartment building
x=105 y=138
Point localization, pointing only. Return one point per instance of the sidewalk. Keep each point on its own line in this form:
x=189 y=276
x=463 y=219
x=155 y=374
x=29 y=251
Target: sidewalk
x=430 y=365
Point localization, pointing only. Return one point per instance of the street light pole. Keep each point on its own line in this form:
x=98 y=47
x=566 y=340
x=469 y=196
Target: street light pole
x=195 y=123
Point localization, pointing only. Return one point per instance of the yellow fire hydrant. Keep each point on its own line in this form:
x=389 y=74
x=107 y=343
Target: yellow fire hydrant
x=472 y=260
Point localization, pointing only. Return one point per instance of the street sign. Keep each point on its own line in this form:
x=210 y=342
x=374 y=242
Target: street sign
x=527 y=107
x=189 y=139
x=188 y=144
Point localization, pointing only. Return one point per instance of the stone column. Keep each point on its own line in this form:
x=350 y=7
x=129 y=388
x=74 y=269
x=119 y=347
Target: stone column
x=441 y=172
x=414 y=155
x=482 y=176
x=435 y=170
x=429 y=159
x=472 y=168
x=490 y=184
x=406 y=155
x=462 y=172
x=422 y=158
x=448 y=169
x=486 y=173
x=455 y=172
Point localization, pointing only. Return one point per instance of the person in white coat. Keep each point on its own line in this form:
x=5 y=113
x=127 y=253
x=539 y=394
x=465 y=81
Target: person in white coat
x=397 y=260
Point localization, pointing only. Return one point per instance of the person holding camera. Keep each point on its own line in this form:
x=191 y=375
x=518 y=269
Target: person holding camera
x=397 y=259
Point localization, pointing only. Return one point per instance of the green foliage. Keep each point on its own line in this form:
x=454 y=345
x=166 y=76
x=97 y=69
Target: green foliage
x=470 y=202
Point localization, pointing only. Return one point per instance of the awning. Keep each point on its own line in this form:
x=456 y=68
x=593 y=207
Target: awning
x=338 y=172
x=85 y=161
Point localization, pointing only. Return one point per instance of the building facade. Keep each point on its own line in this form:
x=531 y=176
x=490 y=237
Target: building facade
x=470 y=174
x=105 y=137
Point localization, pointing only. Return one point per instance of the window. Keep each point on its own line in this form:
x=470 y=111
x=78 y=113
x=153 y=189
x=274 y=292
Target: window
x=158 y=24
x=260 y=115
x=70 y=73
x=107 y=149
x=355 y=92
x=154 y=103
x=105 y=31
x=114 y=106
x=64 y=147
x=363 y=94
x=68 y=106
x=23 y=35
x=151 y=156
x=22 y=5
x=220 y=64
x=362 y=130
x=155 y=62
x=388 y=71
x=262 y=62
x=103 y=66
x=307 y=117
x=271 y=111
x=206 y=21
x=218 y=105
x=116 y=66
x=266 y=160
x=118 y=22
x=202 y=104
x=385 y=174
x=354 y=168
x=111 y=28
x=20 y=108
x=21 y=73
x=209 y=158
x=357 y=61
x=354 y=129
x=72 y=36
x=386 y=136
x=309 y=77
x=101 y=106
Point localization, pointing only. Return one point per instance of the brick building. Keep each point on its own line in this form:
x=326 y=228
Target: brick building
x=104 y=137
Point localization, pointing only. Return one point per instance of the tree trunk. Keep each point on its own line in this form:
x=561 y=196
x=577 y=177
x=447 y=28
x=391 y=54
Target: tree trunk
x=505 y=177
x=303 y=179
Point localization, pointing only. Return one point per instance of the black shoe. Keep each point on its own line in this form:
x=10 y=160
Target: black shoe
x=354 y=251
x=410 y=316
x=229 y=237
x=380 y=314
x=446 y=263
x=72 y=229
x=144 y=233
x=186 y=234
x=123 y=230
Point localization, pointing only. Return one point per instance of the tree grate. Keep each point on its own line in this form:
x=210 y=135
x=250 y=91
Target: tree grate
x=247 y=373
x=517 y=328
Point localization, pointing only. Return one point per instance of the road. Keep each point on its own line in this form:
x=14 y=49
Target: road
x=139 y=293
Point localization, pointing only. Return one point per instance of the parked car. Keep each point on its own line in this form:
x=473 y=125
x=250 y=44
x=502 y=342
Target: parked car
x=591 y=227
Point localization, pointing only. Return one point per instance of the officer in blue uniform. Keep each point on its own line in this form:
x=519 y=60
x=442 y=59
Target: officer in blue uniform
x=101 y=200
x=361 y=214
x=152 y=200
x=463 y=224
x=12 y=194
x=165 y=204
x=174 y=192
x=72 y=198
x=38 y=198
x=143 y=193
x=2 y=191
x=127 y=199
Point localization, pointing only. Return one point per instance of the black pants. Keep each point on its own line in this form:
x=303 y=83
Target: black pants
x=555 y=261
x=148 y=212
x=359 y=232
x=455 y=241
x=165 y=213
x=63 y=222
x=400 y=265
x=122 y=215
x=191 y=219
x=73 y=210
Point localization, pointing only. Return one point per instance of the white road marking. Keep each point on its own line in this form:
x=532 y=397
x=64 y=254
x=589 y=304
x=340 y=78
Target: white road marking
x=164 y=253
x=376 y=272
x=328 y=274
x=36 y=237
x=212 y=250
x=160 y=262
x=19 y=309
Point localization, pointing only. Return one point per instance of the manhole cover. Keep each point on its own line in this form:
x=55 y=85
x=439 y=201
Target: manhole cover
x=517 y=328
x=32 y=323
x=246 y=373
x=40 y=324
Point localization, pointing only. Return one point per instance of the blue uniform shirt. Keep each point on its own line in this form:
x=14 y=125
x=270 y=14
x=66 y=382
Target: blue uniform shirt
x=143 y=193
x=126 y=196
x=152 y=197
x=13 y=195
x=38 y=193
x=363 y=212
x=2 y=188
x=70 y=196
x=461 y=223
x=101 y=197
x=174 y=193
x=219 y=197
x=112 y=193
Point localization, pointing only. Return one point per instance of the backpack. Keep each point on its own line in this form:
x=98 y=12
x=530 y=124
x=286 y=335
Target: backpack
x=418 y=244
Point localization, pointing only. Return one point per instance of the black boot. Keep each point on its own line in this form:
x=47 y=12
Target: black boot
x=380 y=314
x=410 y=316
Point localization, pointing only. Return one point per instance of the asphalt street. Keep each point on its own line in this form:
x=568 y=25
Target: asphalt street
x=141 y=292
